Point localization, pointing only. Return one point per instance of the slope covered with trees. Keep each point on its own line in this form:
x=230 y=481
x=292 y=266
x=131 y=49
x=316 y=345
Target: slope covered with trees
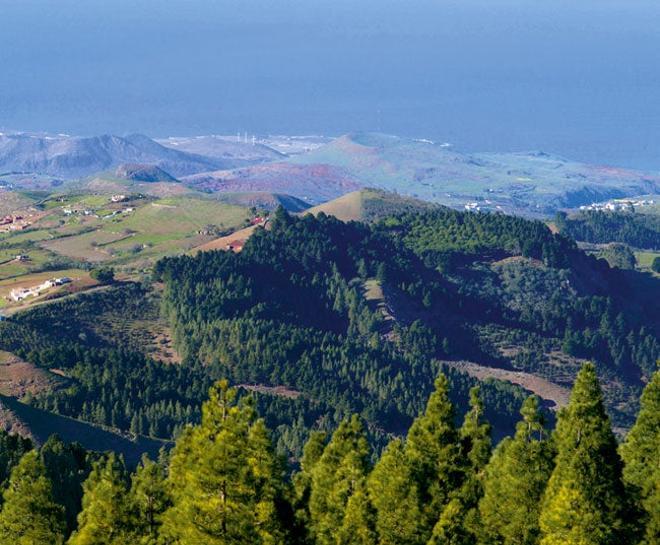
x=289 y=309
x=442 y=483
x=635 y=229
x=322 y=319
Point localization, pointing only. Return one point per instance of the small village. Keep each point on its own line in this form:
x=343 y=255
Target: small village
x=619 y=205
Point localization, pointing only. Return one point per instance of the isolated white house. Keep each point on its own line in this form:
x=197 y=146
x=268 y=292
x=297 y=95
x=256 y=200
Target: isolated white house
x=18 y=294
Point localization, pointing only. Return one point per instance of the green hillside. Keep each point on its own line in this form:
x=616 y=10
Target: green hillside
x=263 y=201
x=639 y=228
x=322 y=318
x=495 y=290
x=358 y=344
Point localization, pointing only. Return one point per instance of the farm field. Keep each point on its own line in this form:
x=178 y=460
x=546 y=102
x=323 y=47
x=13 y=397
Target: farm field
x=11 y=266
x=85 y=247
x=72 y=233
x=164 y=226
x=87 y=230
x=645 y=259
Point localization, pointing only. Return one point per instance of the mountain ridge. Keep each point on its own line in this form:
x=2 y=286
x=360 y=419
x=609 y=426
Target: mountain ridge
x=532 y=183
x=74 y=157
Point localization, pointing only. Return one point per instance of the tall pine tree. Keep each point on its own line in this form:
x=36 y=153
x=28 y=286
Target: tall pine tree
x=395 y=497
x=105 y=518
x=335 y=477
x=584 y=502
x=434 y=454
x=148 y=499
x=29 y=514
x=224 y=478
x=459 y=522
x=67 y=467
x=515 y=480
x=641 y=454
x=12 y=449
x=359 y=524
x=302 y=483
x=451 y=528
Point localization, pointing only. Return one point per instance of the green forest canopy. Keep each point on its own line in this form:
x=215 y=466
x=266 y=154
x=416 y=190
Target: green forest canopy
x=290 y=310
x=443 y=483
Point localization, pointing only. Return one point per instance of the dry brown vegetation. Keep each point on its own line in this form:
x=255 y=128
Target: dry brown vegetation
x=541 y=387
x=281 y=391
x=19 y=378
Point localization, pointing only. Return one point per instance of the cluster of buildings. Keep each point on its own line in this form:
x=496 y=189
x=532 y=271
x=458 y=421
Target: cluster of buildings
x=13 y=223
x=72 y=211
x=117 y=212
x=618 y=205
x=92 y=213
x=19 y=294
x=481 y=206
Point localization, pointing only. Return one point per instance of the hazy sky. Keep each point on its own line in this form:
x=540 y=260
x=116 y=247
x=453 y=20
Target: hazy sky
x=580 y=77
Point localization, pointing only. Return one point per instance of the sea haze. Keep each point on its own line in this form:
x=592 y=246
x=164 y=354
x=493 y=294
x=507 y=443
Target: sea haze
x=579 y=79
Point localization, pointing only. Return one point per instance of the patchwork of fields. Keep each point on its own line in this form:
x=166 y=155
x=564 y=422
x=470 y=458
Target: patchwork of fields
x=69 y=234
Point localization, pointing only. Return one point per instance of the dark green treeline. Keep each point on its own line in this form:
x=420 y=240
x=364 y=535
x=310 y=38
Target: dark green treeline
x=442 y=484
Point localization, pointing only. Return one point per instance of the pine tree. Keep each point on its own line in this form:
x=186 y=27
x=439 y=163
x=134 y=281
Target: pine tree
x=433 y=452
x=584 y=502
x=451 y=528
x=302 y=482
x=104 y=519
x=358 y=526
x=395 y=498
x=641 y=454
x=148 y=499
x=475 y=445
x=67 y=466
x=29 y=514
x=224 y=479
x=12 y=449
x=267 y=475
x=459 y=523
x=345 y=461
x=515 y=480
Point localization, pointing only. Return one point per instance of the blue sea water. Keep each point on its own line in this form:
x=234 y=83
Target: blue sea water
x=580 y=78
